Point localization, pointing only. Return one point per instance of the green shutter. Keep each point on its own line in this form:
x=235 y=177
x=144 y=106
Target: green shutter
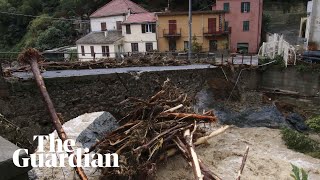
x=248 y=6
x=242 y=7
x=143 y=27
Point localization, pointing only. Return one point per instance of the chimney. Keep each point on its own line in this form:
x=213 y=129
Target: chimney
x=105 y=33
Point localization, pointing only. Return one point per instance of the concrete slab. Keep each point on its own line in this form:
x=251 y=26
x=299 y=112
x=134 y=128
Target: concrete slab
x=8 y=170
x=88 y=72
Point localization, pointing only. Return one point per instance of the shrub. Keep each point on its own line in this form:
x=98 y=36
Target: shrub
x=300 y=142
x=314 y=124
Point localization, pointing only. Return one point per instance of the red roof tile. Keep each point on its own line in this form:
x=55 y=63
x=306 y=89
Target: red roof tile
x=140 y=18
x=118 y=7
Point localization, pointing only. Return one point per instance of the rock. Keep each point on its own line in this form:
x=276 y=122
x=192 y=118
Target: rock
x=85 y=130
x=297 y=122
x=97 y=129
x=8 y=169
x=267 y=116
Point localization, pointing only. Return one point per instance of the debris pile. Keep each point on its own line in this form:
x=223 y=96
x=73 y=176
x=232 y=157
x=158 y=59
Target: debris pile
x=155 y=130
x=151 y=60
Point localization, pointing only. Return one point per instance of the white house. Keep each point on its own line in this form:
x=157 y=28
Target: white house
x=139 y=31
x=100 y=45
x=106 y=38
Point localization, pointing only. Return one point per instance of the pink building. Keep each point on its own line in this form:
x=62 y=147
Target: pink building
x=245 y=19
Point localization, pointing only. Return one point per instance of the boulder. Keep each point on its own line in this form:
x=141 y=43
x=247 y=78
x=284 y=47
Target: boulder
x=85 y=130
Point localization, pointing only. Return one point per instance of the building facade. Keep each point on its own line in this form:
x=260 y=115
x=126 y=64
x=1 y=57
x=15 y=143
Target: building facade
x=106 y=39
x=209 y=31
x=245 y=19
x=139 y=31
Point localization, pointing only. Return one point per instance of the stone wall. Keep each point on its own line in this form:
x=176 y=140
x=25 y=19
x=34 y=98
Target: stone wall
x=306 y=83
x=73 y=96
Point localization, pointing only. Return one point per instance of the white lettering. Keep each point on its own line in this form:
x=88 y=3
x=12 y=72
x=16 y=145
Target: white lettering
x=15 y=158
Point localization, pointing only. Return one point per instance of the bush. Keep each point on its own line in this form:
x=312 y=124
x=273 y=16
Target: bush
x=314 y=124
x=300 y=142
x=279 y=61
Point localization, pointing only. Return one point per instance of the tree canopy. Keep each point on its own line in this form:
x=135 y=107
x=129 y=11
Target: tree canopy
x=17 y=31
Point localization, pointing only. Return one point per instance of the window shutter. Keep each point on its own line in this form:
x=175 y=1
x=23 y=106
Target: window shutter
x=143 y=28
x=153 y=26
x=248 y=6
x=242 y=7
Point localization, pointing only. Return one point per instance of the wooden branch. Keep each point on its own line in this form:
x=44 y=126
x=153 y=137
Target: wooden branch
x=195 y=162
x=205 y=139
x=32 y=56
x=173 y=109
x=199 y=141
x=244 y=159
x=189 y=116
x=158 y=136
x=208 y=174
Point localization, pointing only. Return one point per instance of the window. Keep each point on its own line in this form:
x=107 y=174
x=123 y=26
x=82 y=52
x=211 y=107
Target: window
x=246 y=25
x=242 y=48
x=226 y=6
x=128 y=29
x=148 y=28
x=226 y=26
x=149 y=47
x=82 y=51
x=92 y=51
x=103 y=26
x=245 y=7
x=118 y=25
x=105 y=51
x=186 y=45
x=134 y=47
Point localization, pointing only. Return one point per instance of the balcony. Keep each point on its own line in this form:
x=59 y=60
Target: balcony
x=172 y=33
x=209 y=32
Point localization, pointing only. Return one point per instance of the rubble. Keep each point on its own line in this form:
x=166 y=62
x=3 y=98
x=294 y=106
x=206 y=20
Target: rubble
x=143 y=61
x=154 y=130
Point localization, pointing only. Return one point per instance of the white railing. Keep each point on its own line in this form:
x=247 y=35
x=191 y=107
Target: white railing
x=276 y=45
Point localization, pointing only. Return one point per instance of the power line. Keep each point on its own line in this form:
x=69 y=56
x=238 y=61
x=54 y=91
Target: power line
x=46 y=17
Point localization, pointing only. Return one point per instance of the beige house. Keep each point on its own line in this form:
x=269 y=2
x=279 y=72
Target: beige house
x=209 y=30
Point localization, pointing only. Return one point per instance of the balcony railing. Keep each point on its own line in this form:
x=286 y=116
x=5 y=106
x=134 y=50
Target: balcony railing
x=172 y=33
x=209 y=32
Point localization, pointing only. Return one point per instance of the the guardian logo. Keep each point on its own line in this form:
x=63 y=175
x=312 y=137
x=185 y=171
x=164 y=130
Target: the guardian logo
x=56 y=158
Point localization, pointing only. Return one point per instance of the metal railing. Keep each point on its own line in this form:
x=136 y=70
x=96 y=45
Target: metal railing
x=209 y=31
x=172 y=33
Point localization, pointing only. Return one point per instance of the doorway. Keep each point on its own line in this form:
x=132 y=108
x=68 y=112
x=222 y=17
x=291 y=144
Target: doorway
x=172 y=45
x=213 y=45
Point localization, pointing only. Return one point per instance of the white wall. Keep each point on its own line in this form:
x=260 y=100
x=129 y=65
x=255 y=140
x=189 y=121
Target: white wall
x=137 y=36
x=110 y=21
x=315 y=22
x=97 y=49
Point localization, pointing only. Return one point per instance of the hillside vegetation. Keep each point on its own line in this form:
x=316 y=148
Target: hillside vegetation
x=43 y=32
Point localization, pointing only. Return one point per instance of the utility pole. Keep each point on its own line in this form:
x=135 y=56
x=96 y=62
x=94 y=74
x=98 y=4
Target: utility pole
x=190 y=31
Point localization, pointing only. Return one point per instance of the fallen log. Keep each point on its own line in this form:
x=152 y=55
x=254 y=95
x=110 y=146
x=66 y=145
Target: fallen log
x=32 y=56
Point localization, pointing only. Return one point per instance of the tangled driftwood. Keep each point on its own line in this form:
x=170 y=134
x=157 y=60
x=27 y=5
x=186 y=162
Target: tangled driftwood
x=99 y=64
x=155 y=130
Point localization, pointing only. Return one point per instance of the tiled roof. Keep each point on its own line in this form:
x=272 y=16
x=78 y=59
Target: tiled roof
x=100 y=38
x=118 y=7
x=141 y=18
x=193 y=12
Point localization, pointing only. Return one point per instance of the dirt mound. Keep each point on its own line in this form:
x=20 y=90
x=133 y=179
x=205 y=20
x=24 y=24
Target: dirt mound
x=268 y=157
